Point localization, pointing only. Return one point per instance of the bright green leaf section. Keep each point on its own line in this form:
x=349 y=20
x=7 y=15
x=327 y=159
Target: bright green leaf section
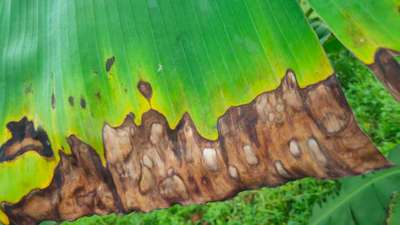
x=200 y=56
x=363 y=26
x=363 y=200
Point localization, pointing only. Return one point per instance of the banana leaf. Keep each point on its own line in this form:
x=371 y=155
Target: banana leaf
x=217 y=96
x=370 y=199
x=371 y=30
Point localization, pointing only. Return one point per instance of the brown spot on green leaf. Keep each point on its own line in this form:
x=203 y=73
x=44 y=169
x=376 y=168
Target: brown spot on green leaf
x=145 y=89
x=83 y=103
x=98 y=95
x=71 y=100
x=109 y=63
x=53 y=101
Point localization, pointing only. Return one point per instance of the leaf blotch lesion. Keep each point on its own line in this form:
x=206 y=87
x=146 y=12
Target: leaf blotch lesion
x=83 y=103
x=145 y=89
x=71 y=101
x=53 y=101
x=98 y=95
x=109 y=63
x=25 y=137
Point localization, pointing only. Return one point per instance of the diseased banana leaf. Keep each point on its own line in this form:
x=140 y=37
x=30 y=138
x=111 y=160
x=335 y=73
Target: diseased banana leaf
x=364 y=200
x=371 y=30
x=198 y=53
x=231 y=93
x=71 y=66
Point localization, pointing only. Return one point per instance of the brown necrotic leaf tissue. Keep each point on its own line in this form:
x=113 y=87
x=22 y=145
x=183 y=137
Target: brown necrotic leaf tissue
x=282 y=135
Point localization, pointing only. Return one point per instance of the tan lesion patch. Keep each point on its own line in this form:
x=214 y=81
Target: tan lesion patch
x=25 y=137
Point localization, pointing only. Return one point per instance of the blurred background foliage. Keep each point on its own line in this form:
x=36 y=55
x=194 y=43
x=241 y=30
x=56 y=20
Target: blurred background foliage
x=378 y=115
x=369 y=199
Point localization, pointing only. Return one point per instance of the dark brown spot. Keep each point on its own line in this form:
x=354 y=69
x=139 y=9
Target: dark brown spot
x=193 y=184
x=109 y=63
x=98 y=95
x=71 y=100
x=53 y=101
x=25 y=138
x=83 y=103
x=145 y=89
x=205 y=180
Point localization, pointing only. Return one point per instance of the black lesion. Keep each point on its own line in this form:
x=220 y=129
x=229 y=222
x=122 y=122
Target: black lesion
x=25 y=138
x=53 y=101
x=71 y=100
x=83 y=103
x=109 y=63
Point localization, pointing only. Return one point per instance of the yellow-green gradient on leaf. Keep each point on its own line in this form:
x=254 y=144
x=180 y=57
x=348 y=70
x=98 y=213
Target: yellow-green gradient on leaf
x=200 y=57
x=363 y=26
x=20 y=176
x=71 y=66
x=3 y=218
x=29 y=165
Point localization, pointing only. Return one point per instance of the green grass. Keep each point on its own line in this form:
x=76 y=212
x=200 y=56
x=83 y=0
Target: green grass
x=377 y=113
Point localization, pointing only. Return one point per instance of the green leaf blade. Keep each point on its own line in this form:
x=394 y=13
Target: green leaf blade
x=362 y=26
x=363 y=199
